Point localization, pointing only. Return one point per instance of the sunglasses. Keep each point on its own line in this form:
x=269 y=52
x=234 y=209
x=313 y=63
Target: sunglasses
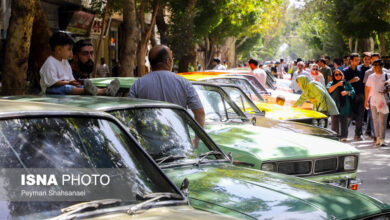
x=337 y=74
x=315 y=69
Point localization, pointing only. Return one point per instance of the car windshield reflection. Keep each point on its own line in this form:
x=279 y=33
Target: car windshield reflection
x=240 y=99
x=66 y=143
x=168 y=135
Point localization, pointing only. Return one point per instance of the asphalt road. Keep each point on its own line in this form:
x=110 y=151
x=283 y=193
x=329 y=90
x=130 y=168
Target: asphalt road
x=374 y=167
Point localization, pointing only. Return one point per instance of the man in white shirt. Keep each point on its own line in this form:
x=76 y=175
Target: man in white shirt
x=102 y=69
x=294 y=86
x=217 y=64
x=260 y=74
x=375 y=94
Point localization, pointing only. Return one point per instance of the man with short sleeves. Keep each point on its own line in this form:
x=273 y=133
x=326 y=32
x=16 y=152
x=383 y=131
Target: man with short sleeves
x=260 y=74
x=163 y=85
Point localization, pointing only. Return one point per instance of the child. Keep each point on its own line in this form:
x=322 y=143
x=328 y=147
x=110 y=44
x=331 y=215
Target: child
x=56 y=72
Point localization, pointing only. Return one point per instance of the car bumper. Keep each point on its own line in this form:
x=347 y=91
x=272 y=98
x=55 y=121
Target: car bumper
x=341 y=180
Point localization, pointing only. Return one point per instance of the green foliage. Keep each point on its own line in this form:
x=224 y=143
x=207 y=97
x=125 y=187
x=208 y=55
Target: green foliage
x=97 y=6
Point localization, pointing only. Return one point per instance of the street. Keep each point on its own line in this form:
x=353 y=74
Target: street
x=374 y=167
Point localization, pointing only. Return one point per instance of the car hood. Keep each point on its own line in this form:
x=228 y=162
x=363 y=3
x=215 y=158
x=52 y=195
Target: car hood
x=268 y=195
x=172 y=212
x=287 y=113
x=275 y=144
x=295 y=127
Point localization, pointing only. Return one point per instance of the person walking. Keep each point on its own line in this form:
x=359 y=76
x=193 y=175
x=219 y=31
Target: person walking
x=325 y=70
x=260 y=74
x=342 y=93
x=376 y=87
x=355 y=78
x=163 y=85
x=317 y=94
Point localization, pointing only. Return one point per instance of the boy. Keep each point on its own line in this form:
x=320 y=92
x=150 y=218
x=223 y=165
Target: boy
x=56 y=72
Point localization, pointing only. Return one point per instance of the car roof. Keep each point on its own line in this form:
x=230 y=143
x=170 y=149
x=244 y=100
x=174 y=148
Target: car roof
x=125 y=82
x=101 y=103
x=11 y=108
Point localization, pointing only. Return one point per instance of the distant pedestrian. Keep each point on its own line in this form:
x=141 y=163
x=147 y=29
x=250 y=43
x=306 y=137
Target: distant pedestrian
x=260 y=74
x=375 y=90
x=102 y=69
x=217 y=64
x=342 y=93
x=325 y=70
x=316 y=75
x=115 y=68
x=300 y=71
x=317 y=94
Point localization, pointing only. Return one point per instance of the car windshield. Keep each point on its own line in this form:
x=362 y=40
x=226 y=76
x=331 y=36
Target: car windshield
x=244 y=84
x=165 y=132
x=72 y=144
x=217 y=109
x=239 y=97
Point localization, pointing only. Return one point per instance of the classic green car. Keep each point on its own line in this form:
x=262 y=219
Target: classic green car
x=182 y=149
x=39 y=140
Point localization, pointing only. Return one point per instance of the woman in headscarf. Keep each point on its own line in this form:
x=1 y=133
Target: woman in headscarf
x=317 y=94
x=342 y=93
x=316 y=75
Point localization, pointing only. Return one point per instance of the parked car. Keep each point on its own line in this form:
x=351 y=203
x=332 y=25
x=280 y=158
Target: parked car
x=256 y=147
x=273 y=111
x=182 y=149
x=40 y=142
x=242 y=101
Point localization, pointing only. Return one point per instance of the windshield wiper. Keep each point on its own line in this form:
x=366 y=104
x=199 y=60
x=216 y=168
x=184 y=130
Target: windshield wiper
x=95 y=204
x=207 y=154
x=150 y=198
x=170 y=157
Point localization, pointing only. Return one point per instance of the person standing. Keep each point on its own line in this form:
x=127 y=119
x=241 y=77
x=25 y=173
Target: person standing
x=102 y=69
x=316 y=75
x=217 y=64
x=317 y=94
x=355 y=78
x=260 y=74
x=366 y=65
x=300 y=71
x=163 y=85
x=325 y=70
x=342 y=93
x=375 y=93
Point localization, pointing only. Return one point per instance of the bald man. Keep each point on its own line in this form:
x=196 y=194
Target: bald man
x=163 y=85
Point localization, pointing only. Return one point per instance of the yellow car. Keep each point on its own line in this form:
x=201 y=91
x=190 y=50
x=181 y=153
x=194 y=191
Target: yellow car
x=273 y=111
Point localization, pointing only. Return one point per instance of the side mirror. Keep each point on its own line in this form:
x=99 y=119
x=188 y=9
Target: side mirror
x=184 y=186
x=230 y=156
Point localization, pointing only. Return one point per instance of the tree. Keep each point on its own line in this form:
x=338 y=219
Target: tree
x=128 y=52
x=17 y=47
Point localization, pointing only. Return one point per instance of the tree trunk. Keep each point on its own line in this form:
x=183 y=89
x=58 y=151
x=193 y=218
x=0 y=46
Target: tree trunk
x=145 y=37
x=17 y=47
x=40 y=48
x=97 y=55
x=162 y=27
x=356 y=45
x=190 y=54
x=382 y=46
x=130 y=41
x=350 y=42
x=366 y=45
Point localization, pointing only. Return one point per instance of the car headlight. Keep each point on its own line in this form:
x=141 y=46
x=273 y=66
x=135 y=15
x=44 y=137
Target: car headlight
x=268 y=167
x=322 y=123
x=314 y=122
x=349 y=163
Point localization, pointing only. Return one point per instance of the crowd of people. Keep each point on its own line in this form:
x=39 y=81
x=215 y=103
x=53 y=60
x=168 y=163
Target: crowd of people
x=354 y=89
